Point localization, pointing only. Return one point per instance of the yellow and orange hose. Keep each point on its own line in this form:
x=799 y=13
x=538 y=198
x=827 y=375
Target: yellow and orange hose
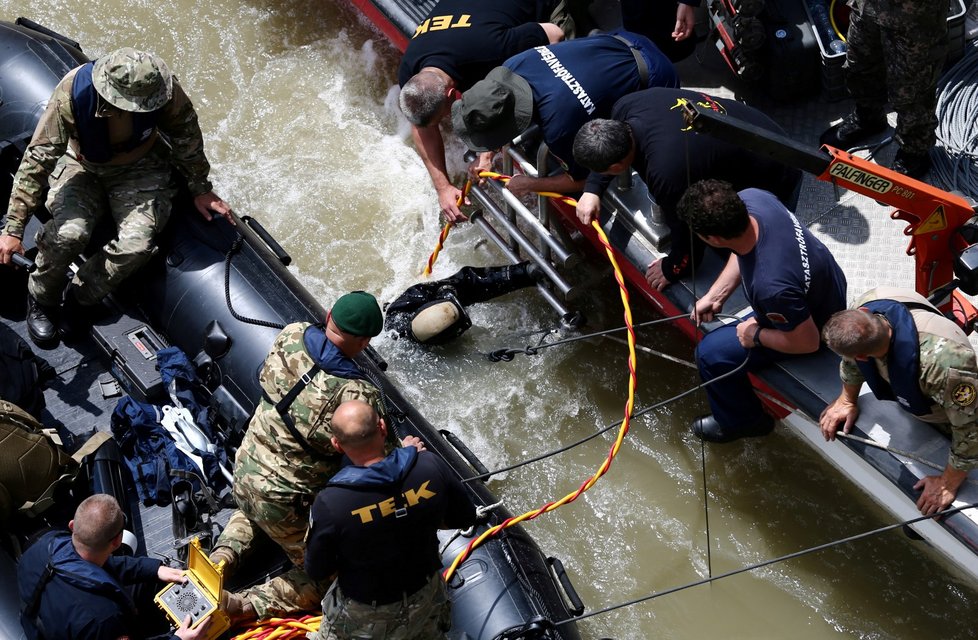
x=444 y=232
x=622 y=431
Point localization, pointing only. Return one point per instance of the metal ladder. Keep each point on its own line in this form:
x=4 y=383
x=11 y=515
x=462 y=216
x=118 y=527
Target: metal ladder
x=542 y=238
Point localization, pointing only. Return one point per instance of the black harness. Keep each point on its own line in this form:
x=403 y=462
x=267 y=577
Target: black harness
x=283 y=406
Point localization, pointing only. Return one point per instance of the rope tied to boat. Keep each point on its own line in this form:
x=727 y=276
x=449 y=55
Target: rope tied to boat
x=615 y=447
x=235 y=247
x=445 y=231
x=506 y=354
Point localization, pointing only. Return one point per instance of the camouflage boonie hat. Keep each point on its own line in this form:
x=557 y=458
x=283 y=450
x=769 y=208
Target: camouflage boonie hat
x=133 y=80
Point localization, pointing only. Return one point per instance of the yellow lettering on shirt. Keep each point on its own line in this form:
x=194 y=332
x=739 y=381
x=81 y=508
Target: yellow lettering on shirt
x=364 y=513
x=414 y=496
x=387 y=507
x=440 y=23
x=422 y=28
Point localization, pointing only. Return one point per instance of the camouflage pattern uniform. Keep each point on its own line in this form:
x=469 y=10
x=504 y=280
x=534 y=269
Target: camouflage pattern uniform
x=275 y=481
x=948 y=376
x=424 y=615
x=896 y=50
x=136 y=186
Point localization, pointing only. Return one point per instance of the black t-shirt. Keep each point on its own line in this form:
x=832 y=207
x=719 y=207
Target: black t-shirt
x=354 y=531
x=670 y=159
x=467 y=39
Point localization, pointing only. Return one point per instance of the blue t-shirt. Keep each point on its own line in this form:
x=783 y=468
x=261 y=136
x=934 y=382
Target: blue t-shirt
x=578 y=80
x=790 y=275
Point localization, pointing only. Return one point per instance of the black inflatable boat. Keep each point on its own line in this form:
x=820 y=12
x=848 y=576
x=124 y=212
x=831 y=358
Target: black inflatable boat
x=219 y=293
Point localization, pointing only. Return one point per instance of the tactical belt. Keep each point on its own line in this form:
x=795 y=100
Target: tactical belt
x=282 y=407
x=643 y=66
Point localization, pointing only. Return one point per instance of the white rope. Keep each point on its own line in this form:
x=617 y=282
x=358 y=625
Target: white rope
x=957 y=127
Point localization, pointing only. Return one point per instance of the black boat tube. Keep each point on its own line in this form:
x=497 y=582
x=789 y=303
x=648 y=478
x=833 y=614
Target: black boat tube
x=184 y=292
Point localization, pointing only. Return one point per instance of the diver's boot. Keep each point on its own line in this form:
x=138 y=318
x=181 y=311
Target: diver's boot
x=239 y=609
x=487 y=283
x=42 y=322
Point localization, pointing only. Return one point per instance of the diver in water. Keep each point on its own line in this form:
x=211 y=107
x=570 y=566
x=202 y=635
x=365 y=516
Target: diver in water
x=434 y=312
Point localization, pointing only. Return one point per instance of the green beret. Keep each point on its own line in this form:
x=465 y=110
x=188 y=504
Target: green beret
x=358 y=313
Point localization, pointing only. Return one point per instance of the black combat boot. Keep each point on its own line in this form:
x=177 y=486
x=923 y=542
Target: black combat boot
x=76 y=318
x=707 y=428
x=855 y=128
x=42 y=322
x=915 y=165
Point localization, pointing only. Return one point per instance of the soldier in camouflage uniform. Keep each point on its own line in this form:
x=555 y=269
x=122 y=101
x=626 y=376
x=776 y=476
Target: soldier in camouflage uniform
x=896 y=50
x=907 y=351
x=279 y=466
x=108 y=136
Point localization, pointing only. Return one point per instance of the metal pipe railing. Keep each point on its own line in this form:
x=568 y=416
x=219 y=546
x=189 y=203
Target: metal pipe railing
x=517 y=236
x=478 y=219
x=562 y=256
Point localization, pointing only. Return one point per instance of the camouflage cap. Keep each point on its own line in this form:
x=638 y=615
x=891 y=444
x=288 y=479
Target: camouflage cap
x=133 y=80
x=358 y=313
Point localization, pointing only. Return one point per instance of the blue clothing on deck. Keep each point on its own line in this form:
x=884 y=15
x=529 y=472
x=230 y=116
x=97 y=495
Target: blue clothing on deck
x=789 y=276
x=579 y=80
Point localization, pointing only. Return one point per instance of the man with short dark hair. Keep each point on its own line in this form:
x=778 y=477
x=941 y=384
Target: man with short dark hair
x=791 y=280
x=453 y=48
x=72 y=587
x=374 y=526
x=112 y=131
x=908 y=351
x=287 y=454
x=647 y=133
x=558 y=88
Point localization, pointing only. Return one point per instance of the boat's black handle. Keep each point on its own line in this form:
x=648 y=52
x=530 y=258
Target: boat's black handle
x=465 y=452
x=269 y=241
x=23 y=261
x=576 y=604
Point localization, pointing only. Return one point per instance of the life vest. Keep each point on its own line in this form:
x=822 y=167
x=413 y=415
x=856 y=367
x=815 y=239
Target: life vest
x=325 y=356
x=93 y=132
x=908 y=314
x=903 y=361
x=31 y=463
x=65 y=564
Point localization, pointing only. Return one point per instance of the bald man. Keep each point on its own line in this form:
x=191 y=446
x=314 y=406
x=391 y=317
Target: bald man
x=375 y=527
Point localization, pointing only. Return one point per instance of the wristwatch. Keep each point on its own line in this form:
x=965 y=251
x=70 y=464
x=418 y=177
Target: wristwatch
x=757 y=336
